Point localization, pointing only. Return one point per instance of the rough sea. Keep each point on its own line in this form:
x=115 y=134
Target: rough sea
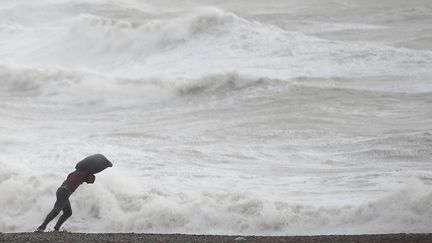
x=276 y=117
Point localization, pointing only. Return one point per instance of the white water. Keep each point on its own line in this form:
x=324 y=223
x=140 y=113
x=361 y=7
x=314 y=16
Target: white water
x=221 y=117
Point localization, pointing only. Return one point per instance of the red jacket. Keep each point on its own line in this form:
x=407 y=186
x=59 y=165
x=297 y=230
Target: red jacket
x=76 y=178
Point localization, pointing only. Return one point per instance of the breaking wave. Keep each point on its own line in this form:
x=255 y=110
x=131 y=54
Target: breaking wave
x=21 y=79
x=102 y=36
x=118 y=203
x=51 y=81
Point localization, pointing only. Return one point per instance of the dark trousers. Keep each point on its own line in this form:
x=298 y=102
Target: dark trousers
x=62 y=203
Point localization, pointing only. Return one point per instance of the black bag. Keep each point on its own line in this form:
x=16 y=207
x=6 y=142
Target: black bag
x=94 y=163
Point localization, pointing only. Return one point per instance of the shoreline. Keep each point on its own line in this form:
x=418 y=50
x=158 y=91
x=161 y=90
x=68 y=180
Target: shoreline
x=141 y=237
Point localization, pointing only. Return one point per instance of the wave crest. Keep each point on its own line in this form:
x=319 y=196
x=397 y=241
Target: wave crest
x=223 y=83
x=204 y=20
x=102 y=35
x=101 y=22
x=80 y=84
x=22 y=79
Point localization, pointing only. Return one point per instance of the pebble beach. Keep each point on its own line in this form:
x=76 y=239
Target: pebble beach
x=180 y=238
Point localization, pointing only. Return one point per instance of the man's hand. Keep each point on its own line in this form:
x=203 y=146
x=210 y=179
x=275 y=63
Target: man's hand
x=90 y=179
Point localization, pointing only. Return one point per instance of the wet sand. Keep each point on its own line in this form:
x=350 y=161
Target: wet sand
x=179 y=238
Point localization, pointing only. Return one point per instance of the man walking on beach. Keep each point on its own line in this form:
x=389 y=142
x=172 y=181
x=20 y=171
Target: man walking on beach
x=84 y=172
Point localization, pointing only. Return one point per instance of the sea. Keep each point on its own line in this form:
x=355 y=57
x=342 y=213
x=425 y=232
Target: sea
x=234 y=117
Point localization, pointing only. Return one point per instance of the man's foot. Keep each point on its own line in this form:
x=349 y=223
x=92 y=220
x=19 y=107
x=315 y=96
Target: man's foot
x=39 y=230
x=60 y=231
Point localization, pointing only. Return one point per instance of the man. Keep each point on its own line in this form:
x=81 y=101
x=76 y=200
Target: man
x=84 y=173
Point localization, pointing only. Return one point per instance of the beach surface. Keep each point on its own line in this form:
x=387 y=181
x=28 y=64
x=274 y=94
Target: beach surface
x=131 y=237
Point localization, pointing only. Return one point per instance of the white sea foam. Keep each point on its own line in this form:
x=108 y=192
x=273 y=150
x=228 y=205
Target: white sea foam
x=119 y=203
